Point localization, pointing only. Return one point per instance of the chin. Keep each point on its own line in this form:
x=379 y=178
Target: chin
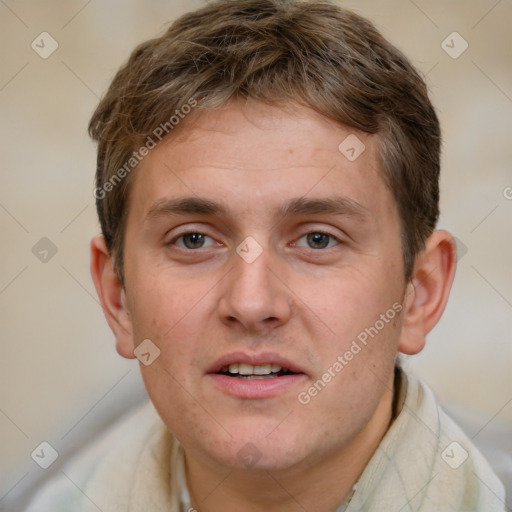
x=251 y=451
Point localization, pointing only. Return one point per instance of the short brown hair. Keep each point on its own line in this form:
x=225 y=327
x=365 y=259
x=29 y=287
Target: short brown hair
x=310 y=52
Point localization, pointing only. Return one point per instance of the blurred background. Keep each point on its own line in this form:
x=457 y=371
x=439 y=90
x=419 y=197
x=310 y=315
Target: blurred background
x=61 y=380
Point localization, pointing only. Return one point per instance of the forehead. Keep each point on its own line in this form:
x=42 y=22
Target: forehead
x=243 y=154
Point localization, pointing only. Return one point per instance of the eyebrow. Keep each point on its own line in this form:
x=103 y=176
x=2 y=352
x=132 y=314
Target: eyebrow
x=294 y=207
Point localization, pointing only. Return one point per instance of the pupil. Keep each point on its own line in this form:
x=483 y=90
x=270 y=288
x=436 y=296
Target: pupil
x=321 y=240
x=196 y=240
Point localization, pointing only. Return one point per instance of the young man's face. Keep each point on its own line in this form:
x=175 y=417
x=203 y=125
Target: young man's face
x=306 y=284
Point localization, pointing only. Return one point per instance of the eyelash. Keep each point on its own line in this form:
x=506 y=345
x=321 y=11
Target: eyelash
x=175 y=239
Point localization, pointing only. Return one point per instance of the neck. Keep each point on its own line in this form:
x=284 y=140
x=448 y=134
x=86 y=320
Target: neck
x=322 y=486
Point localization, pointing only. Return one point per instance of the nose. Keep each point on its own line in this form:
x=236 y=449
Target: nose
x=254 y=295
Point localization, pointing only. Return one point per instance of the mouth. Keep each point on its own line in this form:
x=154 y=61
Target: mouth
x=253 y=372
x=255 y=376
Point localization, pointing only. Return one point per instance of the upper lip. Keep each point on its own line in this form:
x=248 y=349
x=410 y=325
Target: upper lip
x=254 y=360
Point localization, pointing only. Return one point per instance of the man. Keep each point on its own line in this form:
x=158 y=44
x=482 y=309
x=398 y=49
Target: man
x=267 y=188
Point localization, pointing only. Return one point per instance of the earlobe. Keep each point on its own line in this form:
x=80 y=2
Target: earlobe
x=112 y=296
x=427 y=293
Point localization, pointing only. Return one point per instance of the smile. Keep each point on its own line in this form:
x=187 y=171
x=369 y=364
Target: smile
x=255 y=376
x=248 y=371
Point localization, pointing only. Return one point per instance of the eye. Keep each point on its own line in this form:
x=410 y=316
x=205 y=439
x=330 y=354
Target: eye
x=318 y=240
x=192 y=240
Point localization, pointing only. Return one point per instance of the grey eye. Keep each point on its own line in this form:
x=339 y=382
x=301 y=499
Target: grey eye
x=318 y=240
x=193 y=240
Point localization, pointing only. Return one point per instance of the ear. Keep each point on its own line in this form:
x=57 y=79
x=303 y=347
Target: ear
x=112 y=297
x=427 y=292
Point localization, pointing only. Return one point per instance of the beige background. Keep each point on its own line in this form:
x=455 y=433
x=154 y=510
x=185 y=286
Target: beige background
x=60 y=377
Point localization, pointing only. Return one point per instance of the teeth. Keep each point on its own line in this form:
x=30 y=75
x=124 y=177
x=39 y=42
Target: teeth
x=245 y=369
x=262 y=370
x=248 y=369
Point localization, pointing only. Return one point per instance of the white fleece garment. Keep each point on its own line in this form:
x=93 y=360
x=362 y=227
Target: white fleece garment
x=417 y=468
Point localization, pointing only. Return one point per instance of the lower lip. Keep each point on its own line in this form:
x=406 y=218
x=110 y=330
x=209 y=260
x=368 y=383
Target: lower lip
x=255 y=388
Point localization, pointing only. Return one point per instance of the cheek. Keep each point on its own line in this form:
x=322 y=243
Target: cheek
x=354 y=376
x=350 y=302
x=181 y=412
x=356 y=328
x=170 y=316
x=163 y=306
